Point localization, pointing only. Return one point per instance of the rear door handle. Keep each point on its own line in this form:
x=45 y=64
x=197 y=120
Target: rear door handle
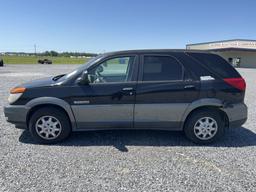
x=189 y=87
x=128 y=89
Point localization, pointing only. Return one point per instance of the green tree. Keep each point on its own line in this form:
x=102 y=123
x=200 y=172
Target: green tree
x=54 y=53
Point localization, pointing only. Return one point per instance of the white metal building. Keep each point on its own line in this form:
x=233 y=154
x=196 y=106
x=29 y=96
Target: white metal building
x=238 y=52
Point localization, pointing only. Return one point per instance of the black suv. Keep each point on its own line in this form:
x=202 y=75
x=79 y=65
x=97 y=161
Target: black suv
x=195 y=92
x=1 y=62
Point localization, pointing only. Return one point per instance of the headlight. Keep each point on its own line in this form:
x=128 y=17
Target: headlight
x=15 y=94
x=14 y=97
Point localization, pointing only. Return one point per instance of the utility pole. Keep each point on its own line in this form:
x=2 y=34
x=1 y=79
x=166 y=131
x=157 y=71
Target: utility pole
x=35 y=48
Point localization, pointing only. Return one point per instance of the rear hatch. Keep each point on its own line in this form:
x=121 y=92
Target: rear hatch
x=230 y=84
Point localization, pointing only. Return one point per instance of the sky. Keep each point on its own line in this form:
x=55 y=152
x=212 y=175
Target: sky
x=108 y=25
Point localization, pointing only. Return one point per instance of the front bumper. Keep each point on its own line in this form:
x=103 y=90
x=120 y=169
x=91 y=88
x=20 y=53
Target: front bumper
x=17 y=115
x=237 y=114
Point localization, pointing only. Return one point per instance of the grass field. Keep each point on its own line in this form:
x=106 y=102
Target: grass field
x=34 y=59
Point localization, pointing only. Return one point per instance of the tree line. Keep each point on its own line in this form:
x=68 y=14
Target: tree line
x=66 y=54
x=54 y=54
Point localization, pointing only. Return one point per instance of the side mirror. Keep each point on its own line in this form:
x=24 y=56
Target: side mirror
x=84 y=79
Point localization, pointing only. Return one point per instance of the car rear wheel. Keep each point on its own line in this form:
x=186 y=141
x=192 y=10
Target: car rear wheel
x=205 y=126
x=49 y=125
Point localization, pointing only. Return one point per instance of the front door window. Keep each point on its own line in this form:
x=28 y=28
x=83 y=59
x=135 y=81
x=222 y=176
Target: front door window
x=112 y=70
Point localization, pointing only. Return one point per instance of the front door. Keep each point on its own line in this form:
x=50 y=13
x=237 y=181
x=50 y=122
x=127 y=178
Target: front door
x=108 y=101
x=164 y=91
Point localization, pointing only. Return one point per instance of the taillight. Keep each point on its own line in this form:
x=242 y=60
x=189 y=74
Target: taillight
x=238 y=83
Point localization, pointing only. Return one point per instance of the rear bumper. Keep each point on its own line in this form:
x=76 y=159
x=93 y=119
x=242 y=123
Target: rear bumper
x=238 y=123
x=237 y=114
x=16 y=114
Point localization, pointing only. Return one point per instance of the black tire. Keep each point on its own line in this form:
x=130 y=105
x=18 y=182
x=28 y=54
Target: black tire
x=57 y=114
x=195 y=117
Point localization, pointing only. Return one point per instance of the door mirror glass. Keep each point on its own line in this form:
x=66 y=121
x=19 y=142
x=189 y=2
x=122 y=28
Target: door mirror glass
x=84 y=79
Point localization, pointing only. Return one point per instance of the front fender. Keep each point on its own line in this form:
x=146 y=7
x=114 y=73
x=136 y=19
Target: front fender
x=53 y=101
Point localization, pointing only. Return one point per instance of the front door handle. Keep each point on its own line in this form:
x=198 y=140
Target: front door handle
x=128 y=91
x=189 y=87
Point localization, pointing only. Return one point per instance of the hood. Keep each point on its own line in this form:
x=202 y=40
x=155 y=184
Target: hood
x=43 y=82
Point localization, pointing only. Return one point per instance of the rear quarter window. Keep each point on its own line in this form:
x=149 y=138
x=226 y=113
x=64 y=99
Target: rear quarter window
x=195 y=69
x=216 y=64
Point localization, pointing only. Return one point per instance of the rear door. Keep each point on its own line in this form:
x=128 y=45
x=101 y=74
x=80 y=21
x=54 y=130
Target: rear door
x=164 y=91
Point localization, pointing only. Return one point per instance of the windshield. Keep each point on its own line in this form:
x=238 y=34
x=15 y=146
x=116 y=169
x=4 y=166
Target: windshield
x=78 y=70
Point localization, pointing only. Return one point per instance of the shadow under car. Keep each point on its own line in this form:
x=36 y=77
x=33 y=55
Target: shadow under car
x=236 y=137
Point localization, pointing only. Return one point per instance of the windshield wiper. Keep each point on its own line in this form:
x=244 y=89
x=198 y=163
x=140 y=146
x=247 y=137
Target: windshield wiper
x=58 y=77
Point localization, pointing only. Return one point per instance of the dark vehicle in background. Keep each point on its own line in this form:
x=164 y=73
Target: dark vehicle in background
x=1 y=62
x=195 y=92
x=44 y=61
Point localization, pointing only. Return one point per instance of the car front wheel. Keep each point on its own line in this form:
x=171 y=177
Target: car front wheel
x=49 y=125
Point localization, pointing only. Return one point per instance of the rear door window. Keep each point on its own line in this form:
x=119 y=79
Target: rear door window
x=161 y=68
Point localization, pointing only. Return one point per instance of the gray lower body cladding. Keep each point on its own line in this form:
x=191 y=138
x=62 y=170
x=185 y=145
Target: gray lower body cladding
x=139 y=116
x=17 y=115
x=159 y=116
x=103 y=116
x=237 y=114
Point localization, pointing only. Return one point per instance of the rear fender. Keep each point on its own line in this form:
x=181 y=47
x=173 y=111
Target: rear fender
x=206 y=102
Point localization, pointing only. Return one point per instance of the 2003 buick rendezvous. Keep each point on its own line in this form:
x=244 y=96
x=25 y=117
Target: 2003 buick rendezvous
x=199 y=93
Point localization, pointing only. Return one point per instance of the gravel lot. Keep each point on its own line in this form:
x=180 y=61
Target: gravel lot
x=124 y=160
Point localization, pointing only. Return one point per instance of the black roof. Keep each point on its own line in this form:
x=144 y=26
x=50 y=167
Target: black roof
x=148 y=51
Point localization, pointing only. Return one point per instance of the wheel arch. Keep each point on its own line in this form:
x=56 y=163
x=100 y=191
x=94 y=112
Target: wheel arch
x=38 y=103
x=205 y=104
